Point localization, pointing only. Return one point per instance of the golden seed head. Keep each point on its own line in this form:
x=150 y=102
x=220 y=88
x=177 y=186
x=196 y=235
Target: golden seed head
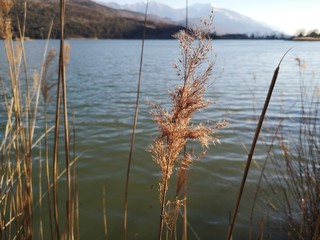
x=175 y=125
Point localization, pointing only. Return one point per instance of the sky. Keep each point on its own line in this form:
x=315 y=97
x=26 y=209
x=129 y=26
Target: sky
x=286 y=15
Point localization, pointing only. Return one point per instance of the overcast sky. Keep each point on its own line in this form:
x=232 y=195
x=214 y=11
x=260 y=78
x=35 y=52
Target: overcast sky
x=286 y=15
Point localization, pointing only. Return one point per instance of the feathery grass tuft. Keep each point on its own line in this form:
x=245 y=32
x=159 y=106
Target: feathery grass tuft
x=175 y=125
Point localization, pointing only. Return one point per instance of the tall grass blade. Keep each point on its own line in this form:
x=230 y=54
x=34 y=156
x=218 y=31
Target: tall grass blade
x=134 y=128
x=45 y=92
x=61 y=76
x=252 y=148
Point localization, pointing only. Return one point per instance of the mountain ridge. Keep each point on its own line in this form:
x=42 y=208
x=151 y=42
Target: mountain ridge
x=87 y=19
x=90 y=20
x=226 y=21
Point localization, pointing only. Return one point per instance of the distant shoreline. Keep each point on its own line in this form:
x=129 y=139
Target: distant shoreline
x=306 y=39
x=222 y=37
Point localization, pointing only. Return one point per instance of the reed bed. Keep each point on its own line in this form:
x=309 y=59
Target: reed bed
x=32 y=149
x=252 y=148
x=294 y=157
x=26 y=141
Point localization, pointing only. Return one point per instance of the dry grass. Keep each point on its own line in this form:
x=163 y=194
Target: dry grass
x=175 y=125
x=22 y=143
x=134 y=128
x=252 y=148
x=297 y=167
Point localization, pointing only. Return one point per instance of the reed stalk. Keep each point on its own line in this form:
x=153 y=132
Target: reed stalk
x=134 y=127
x=252 y=148
x=17 y=205
x=17 y=140
x=17 y=145
x=104 y=205
x=296 y=168
x=262 y=175
x=60 y=90
x=45 y=91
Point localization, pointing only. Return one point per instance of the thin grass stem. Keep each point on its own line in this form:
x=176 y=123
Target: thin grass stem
x=252 y=148
x=134 y=128
x=104 y=213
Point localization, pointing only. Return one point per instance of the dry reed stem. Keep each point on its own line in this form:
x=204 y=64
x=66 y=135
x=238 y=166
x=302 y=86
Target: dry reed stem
x=182 y=186
x=16 y=198
x=46 y=87
x=17 y=142
x=40 y=234
x=134 y=128
x=252 y=148
x=60 y=90
x=77 y=219
x=19 y=131
x=104 y=213
x=262 y=174
x=297 y=168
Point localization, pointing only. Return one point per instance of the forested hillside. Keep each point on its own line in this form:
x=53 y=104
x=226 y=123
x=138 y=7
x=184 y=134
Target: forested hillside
x=86 y=19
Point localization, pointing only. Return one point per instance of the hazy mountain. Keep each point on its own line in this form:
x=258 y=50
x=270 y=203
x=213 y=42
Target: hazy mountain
x=89 y=19
x=225 y=21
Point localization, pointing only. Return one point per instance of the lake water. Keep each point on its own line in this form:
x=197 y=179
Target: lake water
x=102 y=80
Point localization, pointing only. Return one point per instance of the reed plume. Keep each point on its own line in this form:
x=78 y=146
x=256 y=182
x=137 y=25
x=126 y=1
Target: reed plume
x=175 y=125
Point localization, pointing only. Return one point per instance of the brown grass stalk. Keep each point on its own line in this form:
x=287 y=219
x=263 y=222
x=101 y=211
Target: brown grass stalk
x=40 y=233
x=61 y=79
x=297 y=168
x=134 y=128
x=252 y=148
x=55 y=162
x=21 y=139
x=17 y=200
x=45 y=91
x=262 y=174
x=22 y=103
x=104 y=205
x=182 y=187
